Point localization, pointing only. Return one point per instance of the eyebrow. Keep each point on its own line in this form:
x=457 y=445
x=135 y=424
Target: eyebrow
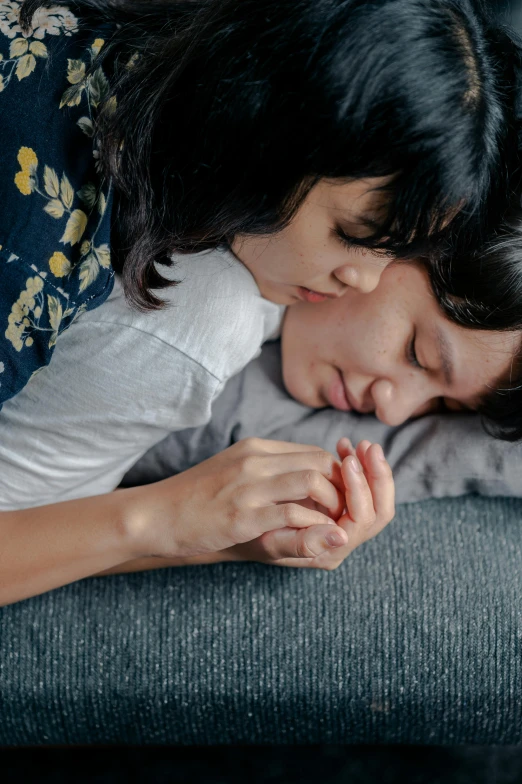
x=370 y=220
x=445 y=356
x=372 y=225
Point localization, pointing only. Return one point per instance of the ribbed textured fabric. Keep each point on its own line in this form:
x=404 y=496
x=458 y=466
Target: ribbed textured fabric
x=415 y=639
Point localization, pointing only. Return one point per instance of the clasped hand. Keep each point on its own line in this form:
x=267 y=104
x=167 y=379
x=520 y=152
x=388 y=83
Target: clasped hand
x=270 y=501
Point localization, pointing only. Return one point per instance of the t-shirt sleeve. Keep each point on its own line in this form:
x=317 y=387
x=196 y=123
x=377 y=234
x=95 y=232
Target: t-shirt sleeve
x=121 y=381
x=75 y=429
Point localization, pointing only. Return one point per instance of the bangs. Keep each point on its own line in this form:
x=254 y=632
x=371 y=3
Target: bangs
x=404 y=222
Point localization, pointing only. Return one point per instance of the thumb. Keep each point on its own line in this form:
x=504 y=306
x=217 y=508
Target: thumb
x=303 y=542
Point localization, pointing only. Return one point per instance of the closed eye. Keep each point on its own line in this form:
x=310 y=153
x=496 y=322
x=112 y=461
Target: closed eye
x=411 y=354
x=354 y=245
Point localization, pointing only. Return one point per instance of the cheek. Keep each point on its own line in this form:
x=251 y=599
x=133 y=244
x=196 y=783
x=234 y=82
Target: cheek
x=303 y=362
x=308 y=243
x=300 y=377
x=360 y=346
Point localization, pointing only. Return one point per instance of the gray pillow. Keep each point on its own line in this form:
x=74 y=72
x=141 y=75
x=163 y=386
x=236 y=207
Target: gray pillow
x=432 y=457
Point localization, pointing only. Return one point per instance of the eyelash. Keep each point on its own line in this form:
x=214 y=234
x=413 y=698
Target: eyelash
x=348 y=242
x=412 y=356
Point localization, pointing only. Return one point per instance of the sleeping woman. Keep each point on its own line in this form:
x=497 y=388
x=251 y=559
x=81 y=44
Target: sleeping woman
x=404 y=350
x=237 y=157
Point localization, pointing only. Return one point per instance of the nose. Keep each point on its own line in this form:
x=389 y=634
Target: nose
x=364 y=278
x=394 y=404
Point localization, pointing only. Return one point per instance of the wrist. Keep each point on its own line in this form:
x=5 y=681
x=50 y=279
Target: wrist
x=138 y=509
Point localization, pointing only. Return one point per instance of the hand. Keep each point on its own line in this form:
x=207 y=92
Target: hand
x=369 y=508
x=238 y=495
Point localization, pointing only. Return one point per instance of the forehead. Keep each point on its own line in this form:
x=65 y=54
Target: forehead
x=485 y=361
x=366 y=197
x=481 y=358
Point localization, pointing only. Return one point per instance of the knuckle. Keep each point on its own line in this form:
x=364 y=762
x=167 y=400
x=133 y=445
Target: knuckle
x=312 y=479
x=247 y=445
x=241 y=446
x=250 y=444
x=303 y=548
x=291 y=514
x=325 y=462
x=249 y=465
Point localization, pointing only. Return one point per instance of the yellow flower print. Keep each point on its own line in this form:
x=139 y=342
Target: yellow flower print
x=56 y=20
x=24 y=180
x=24 y=53
x=76 y=77
x=59 y=196
x=27 y=158
x=75 y=71
x=25 y=314
x=59 y=264
x=1 y=83
x=75 y=228
x=18 y=47
x=94 y=84
x=97 y=45
x=55 y=317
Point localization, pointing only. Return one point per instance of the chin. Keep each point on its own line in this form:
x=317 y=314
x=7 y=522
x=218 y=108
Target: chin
x=302 y=390
x=281 y=299
x=275 y=295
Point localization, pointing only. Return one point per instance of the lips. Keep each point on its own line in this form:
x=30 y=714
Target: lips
x=339 y=396
x=336 y=393
x=308 y=295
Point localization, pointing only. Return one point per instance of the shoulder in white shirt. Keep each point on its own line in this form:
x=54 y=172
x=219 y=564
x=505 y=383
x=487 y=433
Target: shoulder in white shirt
x=121 y=380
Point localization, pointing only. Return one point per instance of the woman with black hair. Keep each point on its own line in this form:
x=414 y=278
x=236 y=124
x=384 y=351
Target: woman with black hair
x=142 y=129
x=294 y=139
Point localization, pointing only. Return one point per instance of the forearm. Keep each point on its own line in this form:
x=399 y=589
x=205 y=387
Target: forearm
x=145 y=564
x=50 y=546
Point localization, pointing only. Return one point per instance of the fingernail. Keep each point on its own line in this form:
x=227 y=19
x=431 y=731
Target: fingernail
x=334 y=539
x=379 y=454
x=354 y=465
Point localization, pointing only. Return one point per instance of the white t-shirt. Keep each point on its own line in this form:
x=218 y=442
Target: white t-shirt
x=121 y=380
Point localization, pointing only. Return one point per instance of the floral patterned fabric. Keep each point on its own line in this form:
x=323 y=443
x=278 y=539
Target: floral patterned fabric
x=55 y=211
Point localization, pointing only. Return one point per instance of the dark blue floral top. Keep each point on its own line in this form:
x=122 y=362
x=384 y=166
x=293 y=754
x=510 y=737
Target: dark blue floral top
x=54 y=209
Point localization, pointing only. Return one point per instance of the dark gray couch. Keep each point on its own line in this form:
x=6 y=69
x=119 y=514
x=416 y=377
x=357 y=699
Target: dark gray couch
x=416 y=638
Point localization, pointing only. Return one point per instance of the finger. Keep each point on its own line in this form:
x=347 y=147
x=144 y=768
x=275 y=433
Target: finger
x=326 y=561
x=267 y=446
x=380 y=480
x=303 y=543
x=321 y=461
x=289 y=515
x=330 y=558
x=296 y=486
x=345 y=448
x=359 y=501
x=362 y=448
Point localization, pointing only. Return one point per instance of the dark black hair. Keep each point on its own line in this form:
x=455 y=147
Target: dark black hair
x=483 y=290
x=235 y=109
